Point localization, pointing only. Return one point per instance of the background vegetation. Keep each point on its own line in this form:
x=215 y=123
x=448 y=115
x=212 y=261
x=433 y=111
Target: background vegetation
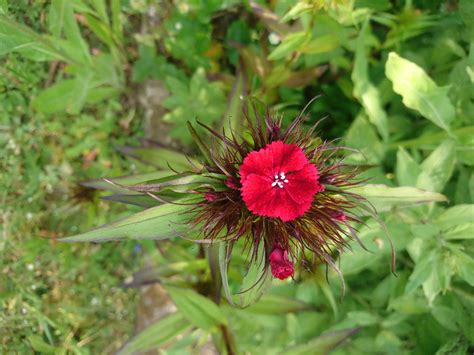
x=80 y=78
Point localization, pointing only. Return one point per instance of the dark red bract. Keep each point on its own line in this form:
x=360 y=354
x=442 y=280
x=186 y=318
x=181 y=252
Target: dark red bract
x=281 y=266
x=278 y=181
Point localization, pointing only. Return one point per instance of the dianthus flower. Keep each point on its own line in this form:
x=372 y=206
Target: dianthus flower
x=283 y=188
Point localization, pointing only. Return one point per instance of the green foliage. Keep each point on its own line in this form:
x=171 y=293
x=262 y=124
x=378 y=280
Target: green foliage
x=397 y=80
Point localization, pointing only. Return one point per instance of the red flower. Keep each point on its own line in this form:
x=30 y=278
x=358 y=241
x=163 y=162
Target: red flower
x=281 y=266
x=278 y=181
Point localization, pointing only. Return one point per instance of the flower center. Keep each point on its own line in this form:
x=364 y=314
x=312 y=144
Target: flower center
x=279 y=180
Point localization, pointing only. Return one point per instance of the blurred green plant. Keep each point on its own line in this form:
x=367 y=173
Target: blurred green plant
x=398 y=85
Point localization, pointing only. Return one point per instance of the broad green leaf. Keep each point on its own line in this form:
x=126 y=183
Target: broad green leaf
x=38 y=344
x=378 y=248
x=431 y=140
x=161 y=222
x=289 y=44
x=273 y=304
x=456 y=215
x=436 y=170
x=58 y=97
x=412 y=303
x=431 y=288
x=364 y=90
x=464 y=265
x=322 y=344
x=199 y=310
x=68 y=95
x=462 y=231
x=156 y=334
x=197 y=99
x=384 y=198
x=457 y=222
x=407 y=169
x=362 y=136
x=457 y=346
x=419 y=91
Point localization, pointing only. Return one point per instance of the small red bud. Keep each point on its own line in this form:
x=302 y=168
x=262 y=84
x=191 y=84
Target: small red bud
x=281 y=266
x=210 y=196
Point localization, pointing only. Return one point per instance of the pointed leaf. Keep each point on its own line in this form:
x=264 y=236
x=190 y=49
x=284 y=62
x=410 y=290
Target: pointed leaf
x=364 y=90
x=198 y=309
x=384 y=198
x=322 y=344
x=273 y=304
x=156 y=334
x=419 y=91
x=407 y=169
x=161 y=222
x=162 y=158
x=436 y=170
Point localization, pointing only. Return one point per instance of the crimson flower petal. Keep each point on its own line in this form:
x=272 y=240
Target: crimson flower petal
x=278 y=181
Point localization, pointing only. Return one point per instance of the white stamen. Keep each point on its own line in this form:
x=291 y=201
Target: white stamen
x=280 y=180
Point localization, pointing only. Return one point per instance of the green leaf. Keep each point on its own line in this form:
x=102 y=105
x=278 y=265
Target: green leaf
x=57 y=11
x=101 y=184
x=379 y=252
x=181 y=183
x=162 y=158
x=384 y=198
x=161 y=222
x=297 y=11
x=407 y=169
x=322 y=344
x=364 y=90
x=38 y=344
x=419 y=91
x=322 y=44
x=198 y=309
x=73 y=34
x=464 y=265
x=436 y=170
x=232 y=120
x=157 y=334
x=66 y=95
x=456 y=215
x=254 y=284
x=457 y=222
x=363 y=137
x=19 y=38
x=56 y=98
x=457 y=346
x=290 y=43
x=198 y=99
x=273 y=304
x=423 y=270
